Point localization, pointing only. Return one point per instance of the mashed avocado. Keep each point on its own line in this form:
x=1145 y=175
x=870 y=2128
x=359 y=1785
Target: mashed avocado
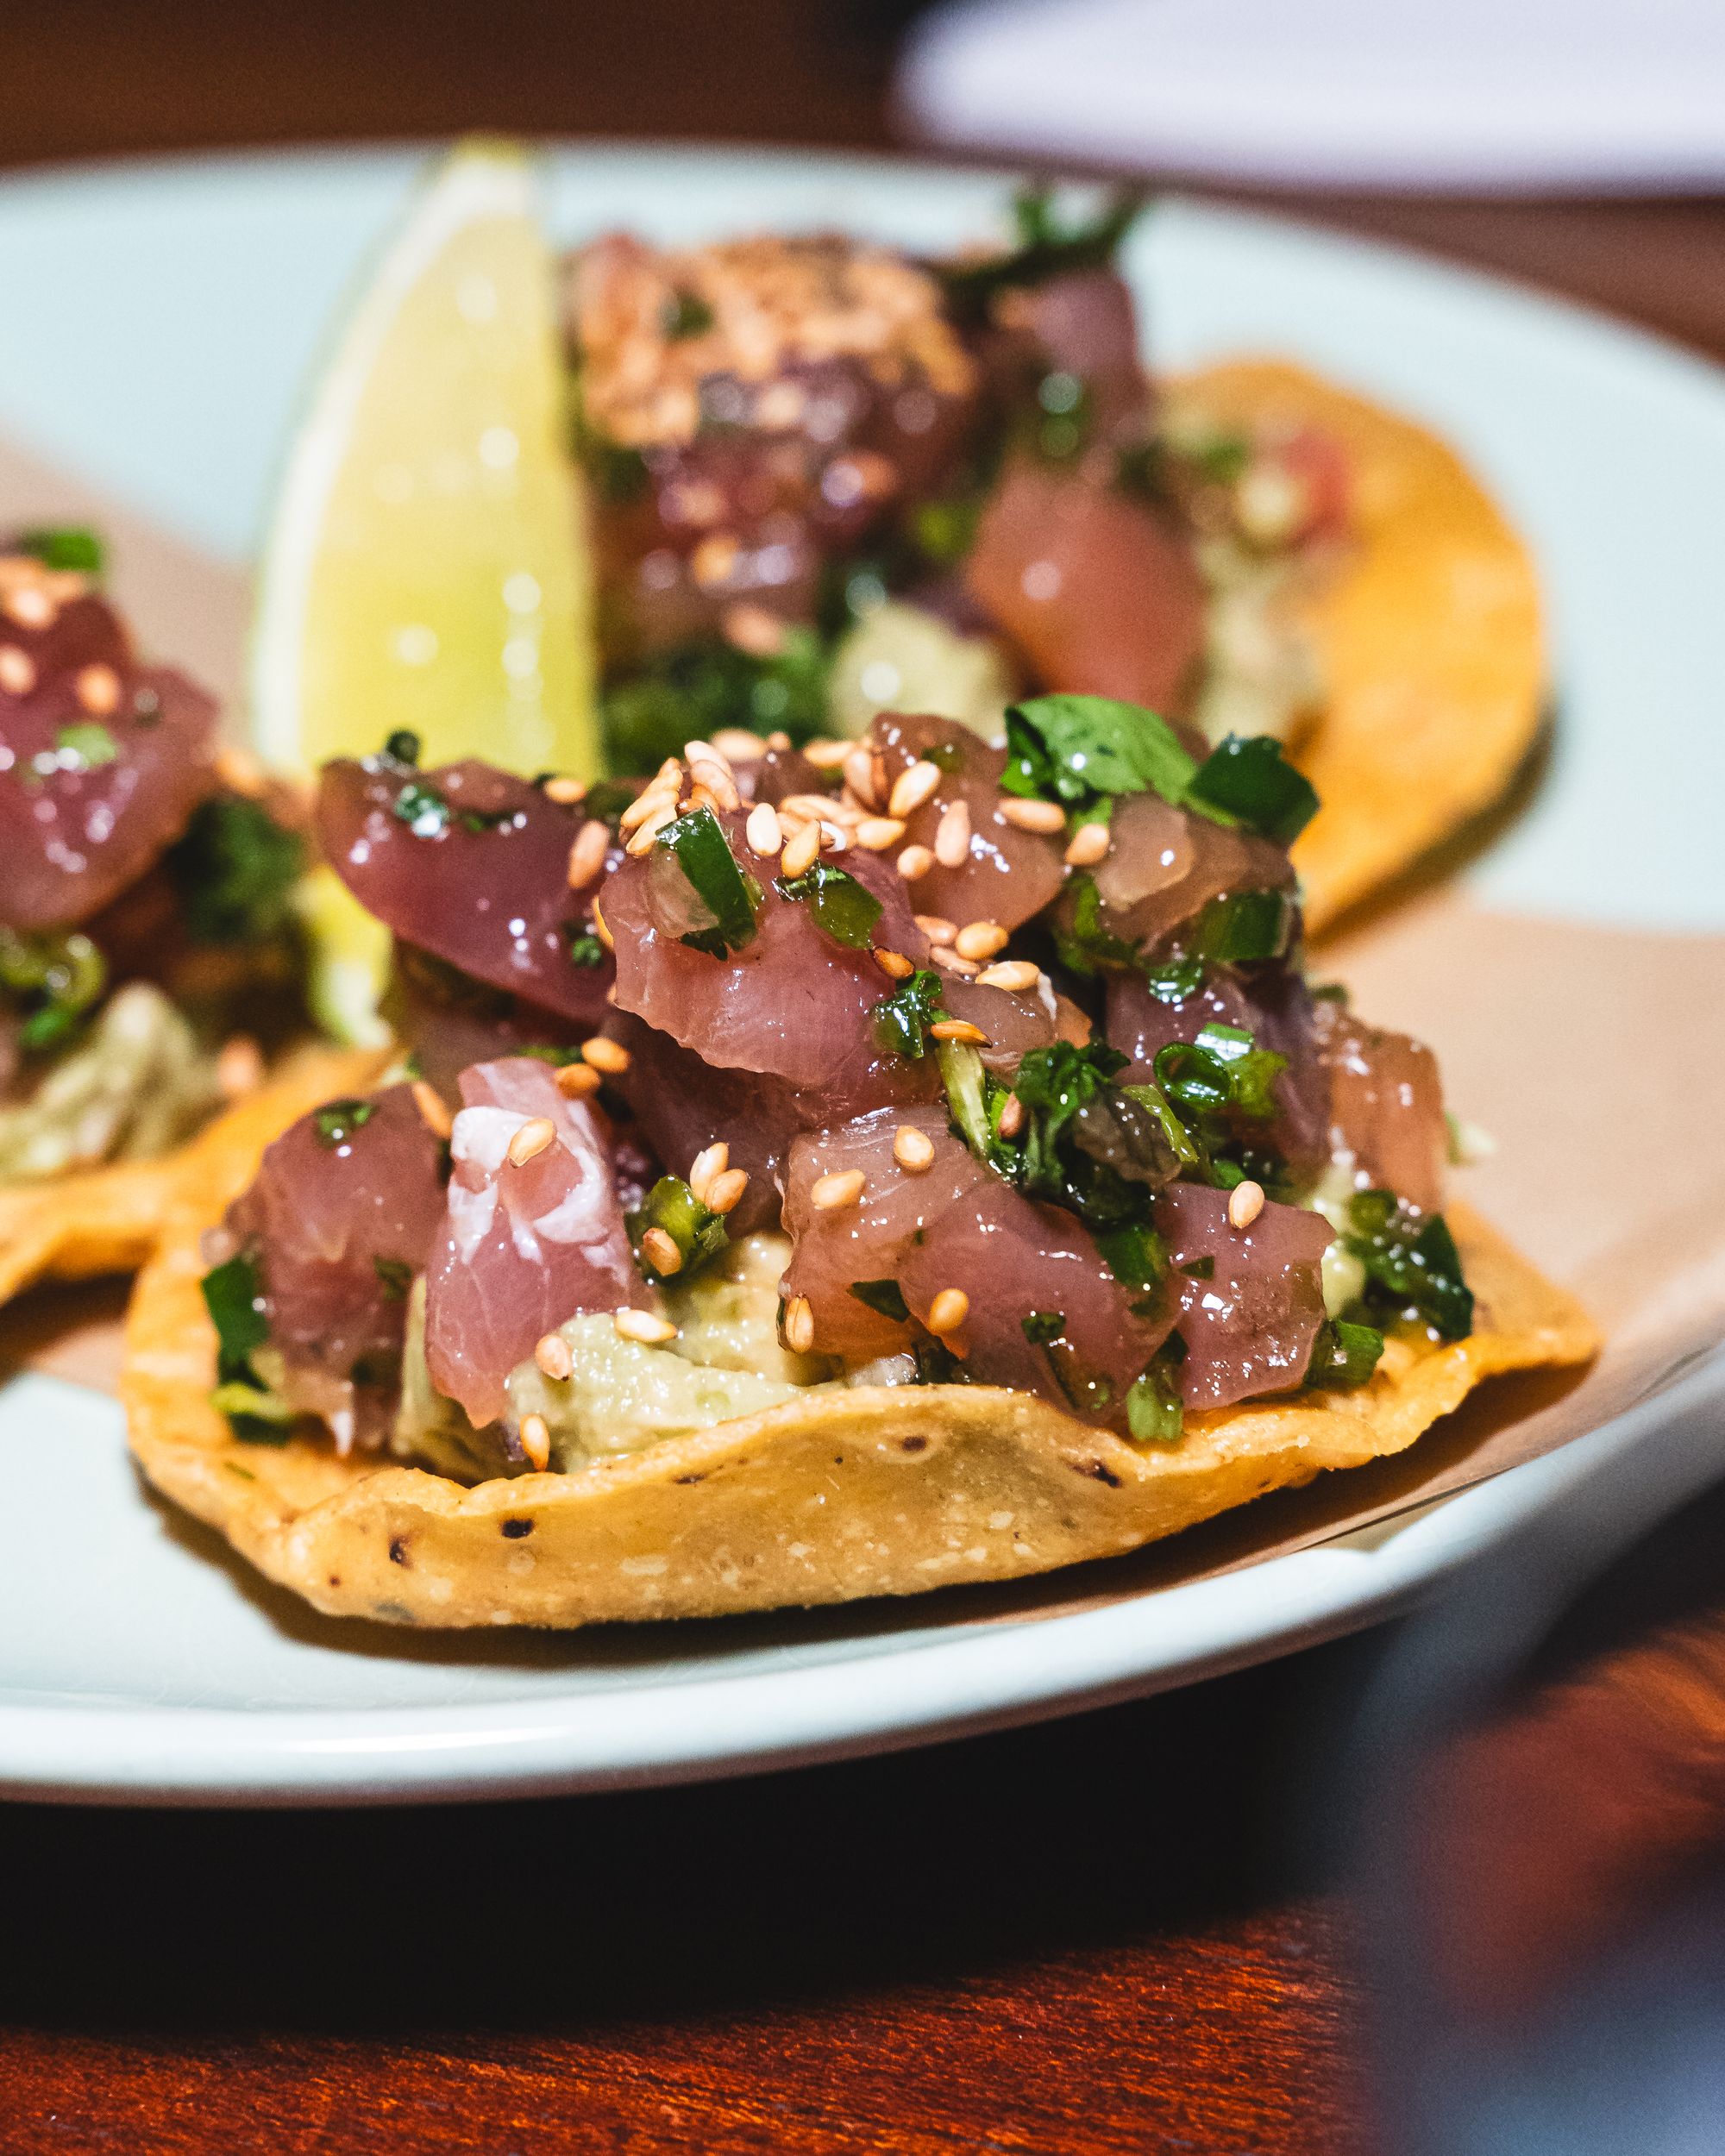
x=621 y=1395
x=901 y=658
x=132 y=1088
x=1261 y=673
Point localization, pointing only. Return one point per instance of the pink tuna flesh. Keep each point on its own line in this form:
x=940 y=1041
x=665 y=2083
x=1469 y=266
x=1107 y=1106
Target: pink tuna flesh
x=1249 y=1326
x=1164 y=867
x=101 y=760
x=339 y=1222
x=1387 y=1105
x=468 y=863
x=521 y=1248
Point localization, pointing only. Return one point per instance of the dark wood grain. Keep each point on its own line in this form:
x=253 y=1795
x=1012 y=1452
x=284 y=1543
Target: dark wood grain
x=1096 y=1937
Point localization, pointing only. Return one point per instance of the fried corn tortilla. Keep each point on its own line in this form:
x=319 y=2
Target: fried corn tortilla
x=846 y=1492
x=1429 y=635
x=107 y=1219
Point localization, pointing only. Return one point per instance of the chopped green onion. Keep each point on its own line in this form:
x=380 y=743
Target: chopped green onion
x=1155 y=1413
x=1155 y=1102
x=1344 y=1355
x=233 y=1294
x=967 y=1094
x=395 y=1277
x=698 y=1232
x=85 y=746
x=842 y=909
x=235 y=871
x=337 y=1120
x=1243 y=927
x=64 y=546
x=1252 y=1071
x=1249 y=779
x=56 y=979
x=697 y=845
x=902 y=1019
x=1040 y=1326
x=1411 y=1262
x=1136 y=1255
x=884 y=1297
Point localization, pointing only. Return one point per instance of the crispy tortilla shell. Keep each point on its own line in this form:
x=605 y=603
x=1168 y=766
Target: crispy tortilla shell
x=1429 y=633
x=828 y=1498
x=107 y=1219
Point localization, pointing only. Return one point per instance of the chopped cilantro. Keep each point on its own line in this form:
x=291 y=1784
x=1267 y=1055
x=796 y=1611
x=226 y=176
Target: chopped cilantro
x=1135 y=1255
x=1411 y=1262
x=1087 y=1143
x=54 y=980
x=235 y=871
x=1343 y=1353
x=883 y=1296
x=337 y=1120
x=233 y=1294
x=395 y=1277
x=583 y=945
x=842 y=908
x=1077 y=748
x=1251 y=779
x=1046 y=248
x=697 y=846
x=686 y=694
x=1040 y=1326
x=902 y=1019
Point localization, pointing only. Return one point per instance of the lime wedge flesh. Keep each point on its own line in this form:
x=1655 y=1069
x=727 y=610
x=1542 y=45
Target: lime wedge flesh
x=427 y=568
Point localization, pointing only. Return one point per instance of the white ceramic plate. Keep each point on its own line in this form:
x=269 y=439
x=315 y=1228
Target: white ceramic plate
x=160 y=322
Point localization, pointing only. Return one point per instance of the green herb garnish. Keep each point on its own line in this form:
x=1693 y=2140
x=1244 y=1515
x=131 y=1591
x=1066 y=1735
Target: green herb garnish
x=902 y=1019
x=686 y=314
x=233 y=1294
x=1222 y=1073
x=1040 y=1326
x=1251 y=779
x=86 y=746
x=1411 y=1262
x=687 y=694
x=64 y=546
x=235 y=871
x=583 y=946
x=1343 y=1354
x=884 y=1297
x=1079 y=748
x=697 y=844
x=1046 y=248
x=1087 y=1143
x=395 y=1277
x=403 y=747
x=842 y=909
x=698 y=1232
x=1155 y=1413
x=53 y=980
x=1242 y=928
x=337 y=1120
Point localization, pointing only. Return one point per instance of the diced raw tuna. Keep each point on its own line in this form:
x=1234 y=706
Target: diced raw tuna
x=1387 y=1105
x=1164 y=867
x=521 y=1248
x=1251 y=1325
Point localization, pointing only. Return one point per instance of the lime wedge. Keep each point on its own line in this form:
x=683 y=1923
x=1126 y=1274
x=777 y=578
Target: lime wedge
x=348 y=960
x=427 y=568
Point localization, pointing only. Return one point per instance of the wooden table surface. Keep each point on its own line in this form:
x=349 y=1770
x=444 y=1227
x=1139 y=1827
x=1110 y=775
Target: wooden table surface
x=1105 y=1934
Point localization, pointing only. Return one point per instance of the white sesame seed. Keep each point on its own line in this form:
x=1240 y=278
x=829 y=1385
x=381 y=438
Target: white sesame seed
x=1047 y=816
x=949 y=1310
x=530 y=1140
x=643 y=1327
x=1245 y=1202
x=1015 y=975
x=937 y=927
x=566 y=792
x=599 y=929
x=947 y=960
x=827 y=756
x=912 y=788
x=952 y=837
x=876 y=833
x=800 y=1325
x=661 y=1252
x=609 y=1057
x=980 y=939
x=959 y=1030
x=429 y=1103
x=893 y=964
x=913 y=1149
x=576 y=1081
x=1090 y=842
x=739 y=744
x=98 y=689
x=1011 y=1116
x=859 y=774
x=17 y=671
x=31 y=607
x=914 y=862
x=642 y=839
x=551 y=1352
x=712 y=1160
x=239 y=1067
x=763 y=830
x=725 y=1190
x=587 y=856
x=657 y=794
x=830 y=1194
x=800 y=851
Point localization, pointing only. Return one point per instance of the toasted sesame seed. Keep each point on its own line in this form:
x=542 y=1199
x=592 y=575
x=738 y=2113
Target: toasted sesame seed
x=779 y=740
x=1090 y=842
x=566 y=792
x=31 y=607
x=878 y=832
x=829 y=1193
x=800 y=850
x=739 y=744
x=822 y=806
x=800 y=1325
x=710 y=770
x=859 y=776
x=756 y=631
x=1011 y=1116
x=1013 y=975
x=980 y=939
x=432 y=1109
x=1245 y=1202
x=763 y=830
x=551 y=1352
x=609 y=1057
x=949 y=1310
x=893 y=964
x=1032 y=816
x=661 y=1252
x=913 y=1149
x=937 y=927
x=947 y=960
x=530 y=1140
x=240 y=772
x=714 y=559
x=535 y=1441
x=98 y=689
x=599 y=929
x=658 y=794
x=576 y=1081
x=834 y=837
x=914 y=862
x=17 y=671
x=643 y=840
x=959 y=1030
x=643 y=1326
x=912 y=788
x=952 y=837
x=710 y=1161
x=726 y=1190
x=239 y=1067
x=587 y=856
x=827 y=756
